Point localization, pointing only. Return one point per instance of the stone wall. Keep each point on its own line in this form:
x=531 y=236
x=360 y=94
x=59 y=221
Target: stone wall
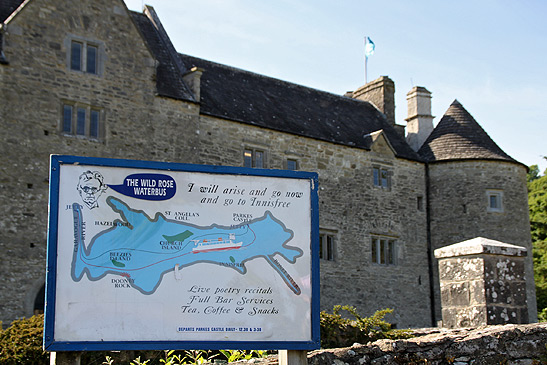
x=354 y=210
x=508 y=344
x=459 y=210
x=35 y=84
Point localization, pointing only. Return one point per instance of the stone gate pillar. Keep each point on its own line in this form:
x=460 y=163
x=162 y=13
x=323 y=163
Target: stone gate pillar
x=482 y=283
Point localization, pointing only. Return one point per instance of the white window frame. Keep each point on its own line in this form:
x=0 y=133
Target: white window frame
x=378 y=180
x=250 y=154
x=327 y=245
x=497 y=195
x=385 y=245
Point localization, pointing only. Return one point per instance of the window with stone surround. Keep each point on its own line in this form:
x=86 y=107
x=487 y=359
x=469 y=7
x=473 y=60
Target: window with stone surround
x=253 y=157
x=327 y=248
x=383 y=250
x=291 y=164
x=381 y=177
x=84 y=55
x=81 y=120
x=495 y=200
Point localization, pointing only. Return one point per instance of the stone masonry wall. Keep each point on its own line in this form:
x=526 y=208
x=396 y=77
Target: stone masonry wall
x=352 y=208
x=138 y=124
x=492 y=345
x=458 y=209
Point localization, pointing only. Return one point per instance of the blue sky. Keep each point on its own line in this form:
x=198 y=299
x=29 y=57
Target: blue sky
x=490 y=55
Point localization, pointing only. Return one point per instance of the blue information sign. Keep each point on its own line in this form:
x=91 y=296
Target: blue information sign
x=155 y=255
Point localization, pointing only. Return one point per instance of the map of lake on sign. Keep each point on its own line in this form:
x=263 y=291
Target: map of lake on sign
x=143 y=249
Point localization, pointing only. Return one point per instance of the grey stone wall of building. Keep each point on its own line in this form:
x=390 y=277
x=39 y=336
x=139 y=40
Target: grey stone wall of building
x=458 y=204
x=354 y=211
x=138 y=123
x=35 y=84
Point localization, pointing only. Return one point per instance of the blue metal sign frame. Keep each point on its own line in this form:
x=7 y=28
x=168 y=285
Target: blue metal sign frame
x=50 y=342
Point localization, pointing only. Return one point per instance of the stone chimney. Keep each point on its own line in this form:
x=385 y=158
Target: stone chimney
x=381 y=93
x=419 y=121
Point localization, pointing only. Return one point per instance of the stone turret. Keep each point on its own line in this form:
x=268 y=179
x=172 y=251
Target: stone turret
x=419 y=120
x=480 y=190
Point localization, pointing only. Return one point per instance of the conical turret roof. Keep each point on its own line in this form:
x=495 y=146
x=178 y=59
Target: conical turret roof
x=458 y=136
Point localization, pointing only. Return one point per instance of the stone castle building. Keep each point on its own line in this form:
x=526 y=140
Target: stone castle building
x=92 y=78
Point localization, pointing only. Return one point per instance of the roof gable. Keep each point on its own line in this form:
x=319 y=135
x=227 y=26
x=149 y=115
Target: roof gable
x=170 y=70
x=380 y=144
x=459 y=136
x=7 y=7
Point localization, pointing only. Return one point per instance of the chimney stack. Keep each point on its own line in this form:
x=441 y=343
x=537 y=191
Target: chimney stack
x=381 y=93
x=419 y=121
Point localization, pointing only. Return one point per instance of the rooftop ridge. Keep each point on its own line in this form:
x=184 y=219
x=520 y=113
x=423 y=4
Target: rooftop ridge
x=272 y=78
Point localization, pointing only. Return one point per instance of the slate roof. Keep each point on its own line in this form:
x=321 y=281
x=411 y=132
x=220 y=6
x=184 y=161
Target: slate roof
x=7 y=7
x=169 y=80
x=249 y=98
x=458 y=136
x=246 y=97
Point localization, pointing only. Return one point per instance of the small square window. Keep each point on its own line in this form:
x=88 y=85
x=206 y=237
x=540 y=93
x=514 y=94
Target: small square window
x=292 y=164
x=84 y=56
x=381 y=177
x=495 y=200
x=326 y=246
x=383 y=251
x=254 y=158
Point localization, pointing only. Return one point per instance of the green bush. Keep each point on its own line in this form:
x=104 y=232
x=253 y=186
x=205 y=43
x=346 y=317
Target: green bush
x=337 y=331
x=21 y=343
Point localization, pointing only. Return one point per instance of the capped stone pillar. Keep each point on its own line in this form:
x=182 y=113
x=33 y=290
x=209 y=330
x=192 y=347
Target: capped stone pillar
x=482 y=283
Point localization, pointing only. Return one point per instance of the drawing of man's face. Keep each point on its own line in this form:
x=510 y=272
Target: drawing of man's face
x=91 y=186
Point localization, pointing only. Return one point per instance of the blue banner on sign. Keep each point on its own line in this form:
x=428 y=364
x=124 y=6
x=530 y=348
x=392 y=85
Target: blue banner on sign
x=147 y=186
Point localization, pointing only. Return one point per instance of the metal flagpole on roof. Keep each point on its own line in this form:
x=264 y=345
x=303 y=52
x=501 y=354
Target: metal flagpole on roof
x=369 y=51
x=366 y=60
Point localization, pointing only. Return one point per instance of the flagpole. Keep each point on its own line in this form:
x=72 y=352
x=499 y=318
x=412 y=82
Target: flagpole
x=366 y=59
x=369 y=51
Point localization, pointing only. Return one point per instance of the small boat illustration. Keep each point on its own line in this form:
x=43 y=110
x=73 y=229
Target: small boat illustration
x=208 y=245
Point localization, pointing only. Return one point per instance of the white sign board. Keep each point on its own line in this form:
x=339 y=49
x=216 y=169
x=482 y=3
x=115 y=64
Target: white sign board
x=148 y=255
